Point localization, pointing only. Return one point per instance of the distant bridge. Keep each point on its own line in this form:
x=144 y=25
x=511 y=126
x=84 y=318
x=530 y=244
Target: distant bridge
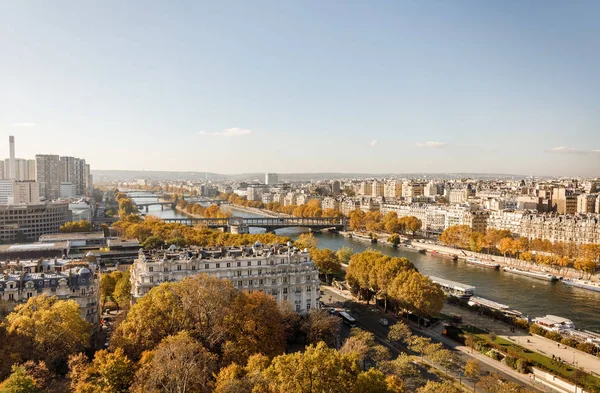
x=162 y=204
x=241 y=224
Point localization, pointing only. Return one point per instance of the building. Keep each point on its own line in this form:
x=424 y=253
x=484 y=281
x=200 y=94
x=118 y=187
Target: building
x=413 y=189
x=81 y=211
x=433 y=189
x=7 y=187
x=509 y=220
x=284 y=272
x=19 y=223
x=67 y=190
x=12 y=252
x=586 y=203
x=336 y=188
x=48 y=175
x=392 y=189
x=377 y=188
x=562 y=228
x=458 y=196
x=564 y=201
x=366 y=188
x=330 y=203
x=26 y=191
x=65 y=279
x=271 y=179
x=349 y=205
x=290 y=199
x=73 y=170
x=267 y=198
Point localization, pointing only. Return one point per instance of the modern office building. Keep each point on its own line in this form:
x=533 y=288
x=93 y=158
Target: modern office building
x=27 y=222
x=271 y=179
x=26 y=191
x=284 y=272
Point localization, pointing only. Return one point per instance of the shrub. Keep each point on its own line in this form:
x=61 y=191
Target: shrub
x=587 y=348
x=537 y=329
x=521 y=324
x=554 y=336
x=510 y=361
x=522 y=365
x=571 y=342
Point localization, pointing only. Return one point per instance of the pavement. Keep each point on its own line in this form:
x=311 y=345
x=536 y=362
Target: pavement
x=547 y=347
x=369 y=320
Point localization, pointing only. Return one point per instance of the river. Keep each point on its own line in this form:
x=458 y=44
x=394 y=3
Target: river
x=531 y=297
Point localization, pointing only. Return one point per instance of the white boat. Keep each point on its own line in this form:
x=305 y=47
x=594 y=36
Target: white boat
x=575 y=282
x=453 y=288
x=486 y=264
x=555 y=323
x=528 y=273
x=479 y=301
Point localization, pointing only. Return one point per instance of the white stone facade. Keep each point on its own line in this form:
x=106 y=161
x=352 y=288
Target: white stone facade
x=284 y=272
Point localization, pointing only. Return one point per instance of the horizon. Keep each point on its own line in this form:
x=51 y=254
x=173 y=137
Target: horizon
x=466 y=87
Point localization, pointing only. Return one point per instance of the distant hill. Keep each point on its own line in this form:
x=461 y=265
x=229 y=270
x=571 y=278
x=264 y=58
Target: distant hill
x=121 y=175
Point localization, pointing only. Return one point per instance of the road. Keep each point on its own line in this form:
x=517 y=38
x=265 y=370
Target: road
x=368 y=318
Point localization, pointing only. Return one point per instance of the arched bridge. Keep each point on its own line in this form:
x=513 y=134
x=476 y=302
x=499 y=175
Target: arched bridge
x=157 y=203
x=240 y=224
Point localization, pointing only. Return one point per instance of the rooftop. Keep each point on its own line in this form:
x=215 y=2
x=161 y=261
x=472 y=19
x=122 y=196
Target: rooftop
x=71 y=236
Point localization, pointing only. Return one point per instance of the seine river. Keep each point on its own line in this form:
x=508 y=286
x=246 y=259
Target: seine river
x=531 y=297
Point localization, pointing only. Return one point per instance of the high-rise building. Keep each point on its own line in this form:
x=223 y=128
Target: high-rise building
x=365 y=188
x=392 y=189
x=271 y=179
x=12 y=170
x=377 y=189
x=7 y=187
x=48 y=175
x=335 y=187
x=73 y=170
x=30 y=170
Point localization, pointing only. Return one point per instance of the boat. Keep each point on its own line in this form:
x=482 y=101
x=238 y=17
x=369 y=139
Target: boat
x=486 y=264
x=555 y=323
x=422 y=251
x=479 y=301
x=585 y=284
x=453 y=288
x=442 y=255
x=529 y=273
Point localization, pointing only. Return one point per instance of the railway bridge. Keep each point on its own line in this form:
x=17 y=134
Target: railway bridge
x=241 y=224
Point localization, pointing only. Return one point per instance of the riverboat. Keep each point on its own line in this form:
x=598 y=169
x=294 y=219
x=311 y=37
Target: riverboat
x=442 y=255
x=578 y=283
x=555 y=323
x=486 y=264
x=528 y=273
x=479 y=301
x=453 y=288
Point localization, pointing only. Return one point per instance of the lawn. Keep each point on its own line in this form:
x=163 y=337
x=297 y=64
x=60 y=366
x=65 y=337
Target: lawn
x=560 y=369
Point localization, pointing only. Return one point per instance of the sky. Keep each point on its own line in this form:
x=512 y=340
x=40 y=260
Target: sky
x=473 y=86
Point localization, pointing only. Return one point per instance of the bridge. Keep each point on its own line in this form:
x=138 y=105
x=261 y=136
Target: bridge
x=241 y=224
x=162 y=204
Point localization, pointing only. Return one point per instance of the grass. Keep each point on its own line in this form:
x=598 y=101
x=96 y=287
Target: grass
x=536 y=359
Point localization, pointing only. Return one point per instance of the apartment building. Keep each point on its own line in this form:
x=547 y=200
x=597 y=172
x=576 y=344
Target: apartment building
x=586 y=203
x=66 y=279
x=284 y=272
x=562 y=228
x=392 y=189
x=330 y=203
x=48 y=175
x=413 y=189
x=377 y=188
x=506 y=220
x=30 y=221
x=365 y=188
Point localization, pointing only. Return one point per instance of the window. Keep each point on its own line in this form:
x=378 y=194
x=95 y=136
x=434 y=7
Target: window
x=29 y=294
x=249 y=263
x=259 y=272
x=249 y=282
x=249 y=272
x=297 y=308
x=260 y=282
x=239 y=273
x=284 y=290
x=218 y=265
x=239 y=284
x=228 y=264
x=206 y=265
x=11 y=296
x=151 y=269
x=282 y=260
x=193 y=267
x=178 y=267
x=259 y=263
x=166 y=269
x=151 y=279
x=239 y=264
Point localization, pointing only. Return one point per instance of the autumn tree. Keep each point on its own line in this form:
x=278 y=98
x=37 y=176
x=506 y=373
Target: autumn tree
x=178 y=364
x=306 y=240
x=19 y=382
x=390 y=222
x=362 y=344
x=48 y=329
x=109 y=372
x=326 y=261
x=344 y=254
x=472 y=370
x=458 y=236
x=320 y=326
x=440 y=387
x=399 y=332
x=417 y=293
x=76 y=226
x=357 y=220
x=394 y=239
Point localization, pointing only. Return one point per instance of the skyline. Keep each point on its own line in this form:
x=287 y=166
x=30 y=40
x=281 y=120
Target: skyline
x=462 y=87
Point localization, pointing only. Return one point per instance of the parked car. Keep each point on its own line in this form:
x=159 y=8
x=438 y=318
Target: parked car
x=332 y=311
x=384 y=321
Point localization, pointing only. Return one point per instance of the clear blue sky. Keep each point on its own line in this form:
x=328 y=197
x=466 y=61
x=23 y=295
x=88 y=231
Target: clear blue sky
x=305 y=86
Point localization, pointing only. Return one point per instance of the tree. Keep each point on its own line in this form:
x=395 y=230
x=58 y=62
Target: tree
x=399 y=332
x=458 y=236
x=76 y=226
x=320 y=326
x=122 y=292
x=19 y=382
x=178 y=364
x=362 y=344
x=472 y=370
x=306 y=240
x=440 y=387
x=107 y=287
x=48 y=329
x=357 y=220
x=326 y=261
x=413 y=224
x=390 y=222
x=417 y=293
x=153 y=242
x=394 y=239
x=344 y=254
x=109 y=372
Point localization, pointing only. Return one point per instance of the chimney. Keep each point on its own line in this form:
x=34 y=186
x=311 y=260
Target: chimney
x=11 y=141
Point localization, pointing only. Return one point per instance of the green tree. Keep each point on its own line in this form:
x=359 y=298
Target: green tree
x=153 y=242
x=394 y=239
x=109 y=372
x=306 y=240
x=344 y=254
x=122 y=292
x=19 y=382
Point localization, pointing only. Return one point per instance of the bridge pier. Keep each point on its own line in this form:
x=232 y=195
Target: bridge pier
x=146 y=207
